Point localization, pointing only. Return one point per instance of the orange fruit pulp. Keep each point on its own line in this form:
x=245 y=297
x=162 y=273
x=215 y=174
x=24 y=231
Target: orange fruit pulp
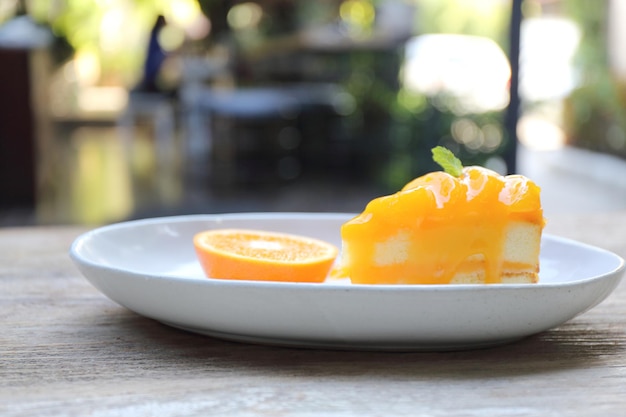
x=242 y=254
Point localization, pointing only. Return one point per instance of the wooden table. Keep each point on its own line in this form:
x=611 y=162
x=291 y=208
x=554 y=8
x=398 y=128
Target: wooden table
x=66 y=350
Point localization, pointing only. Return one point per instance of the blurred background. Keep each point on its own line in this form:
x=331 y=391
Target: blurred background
x=119 y=109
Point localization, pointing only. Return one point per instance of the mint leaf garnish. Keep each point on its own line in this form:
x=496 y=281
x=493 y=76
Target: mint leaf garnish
x=450 y=163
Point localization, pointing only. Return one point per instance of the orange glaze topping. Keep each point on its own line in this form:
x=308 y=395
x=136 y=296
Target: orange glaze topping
x=425 y=232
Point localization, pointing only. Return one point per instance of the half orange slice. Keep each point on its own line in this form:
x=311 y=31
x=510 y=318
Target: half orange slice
x=242 y=254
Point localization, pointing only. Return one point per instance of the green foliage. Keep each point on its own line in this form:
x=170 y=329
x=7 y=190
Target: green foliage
x=594 y=113
x=479 y=17
x=116 y=35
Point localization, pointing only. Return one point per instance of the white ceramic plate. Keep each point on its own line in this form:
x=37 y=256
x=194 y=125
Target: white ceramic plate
x=150 y=267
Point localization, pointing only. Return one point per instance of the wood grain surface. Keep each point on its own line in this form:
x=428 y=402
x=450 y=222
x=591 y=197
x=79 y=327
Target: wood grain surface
x=67 y=350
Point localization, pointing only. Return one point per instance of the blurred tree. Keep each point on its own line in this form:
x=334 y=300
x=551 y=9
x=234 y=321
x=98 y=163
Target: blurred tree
x=594 y=113
x=111 y=32
x=488 y=18
x=422 y=122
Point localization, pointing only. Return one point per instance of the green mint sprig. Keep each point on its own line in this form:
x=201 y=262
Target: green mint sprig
x=450 y=163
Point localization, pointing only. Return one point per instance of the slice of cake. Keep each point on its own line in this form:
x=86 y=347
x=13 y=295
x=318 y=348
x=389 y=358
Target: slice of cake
x=469 y=226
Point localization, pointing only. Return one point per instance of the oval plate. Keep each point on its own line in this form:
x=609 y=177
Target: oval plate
x=150 y=267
